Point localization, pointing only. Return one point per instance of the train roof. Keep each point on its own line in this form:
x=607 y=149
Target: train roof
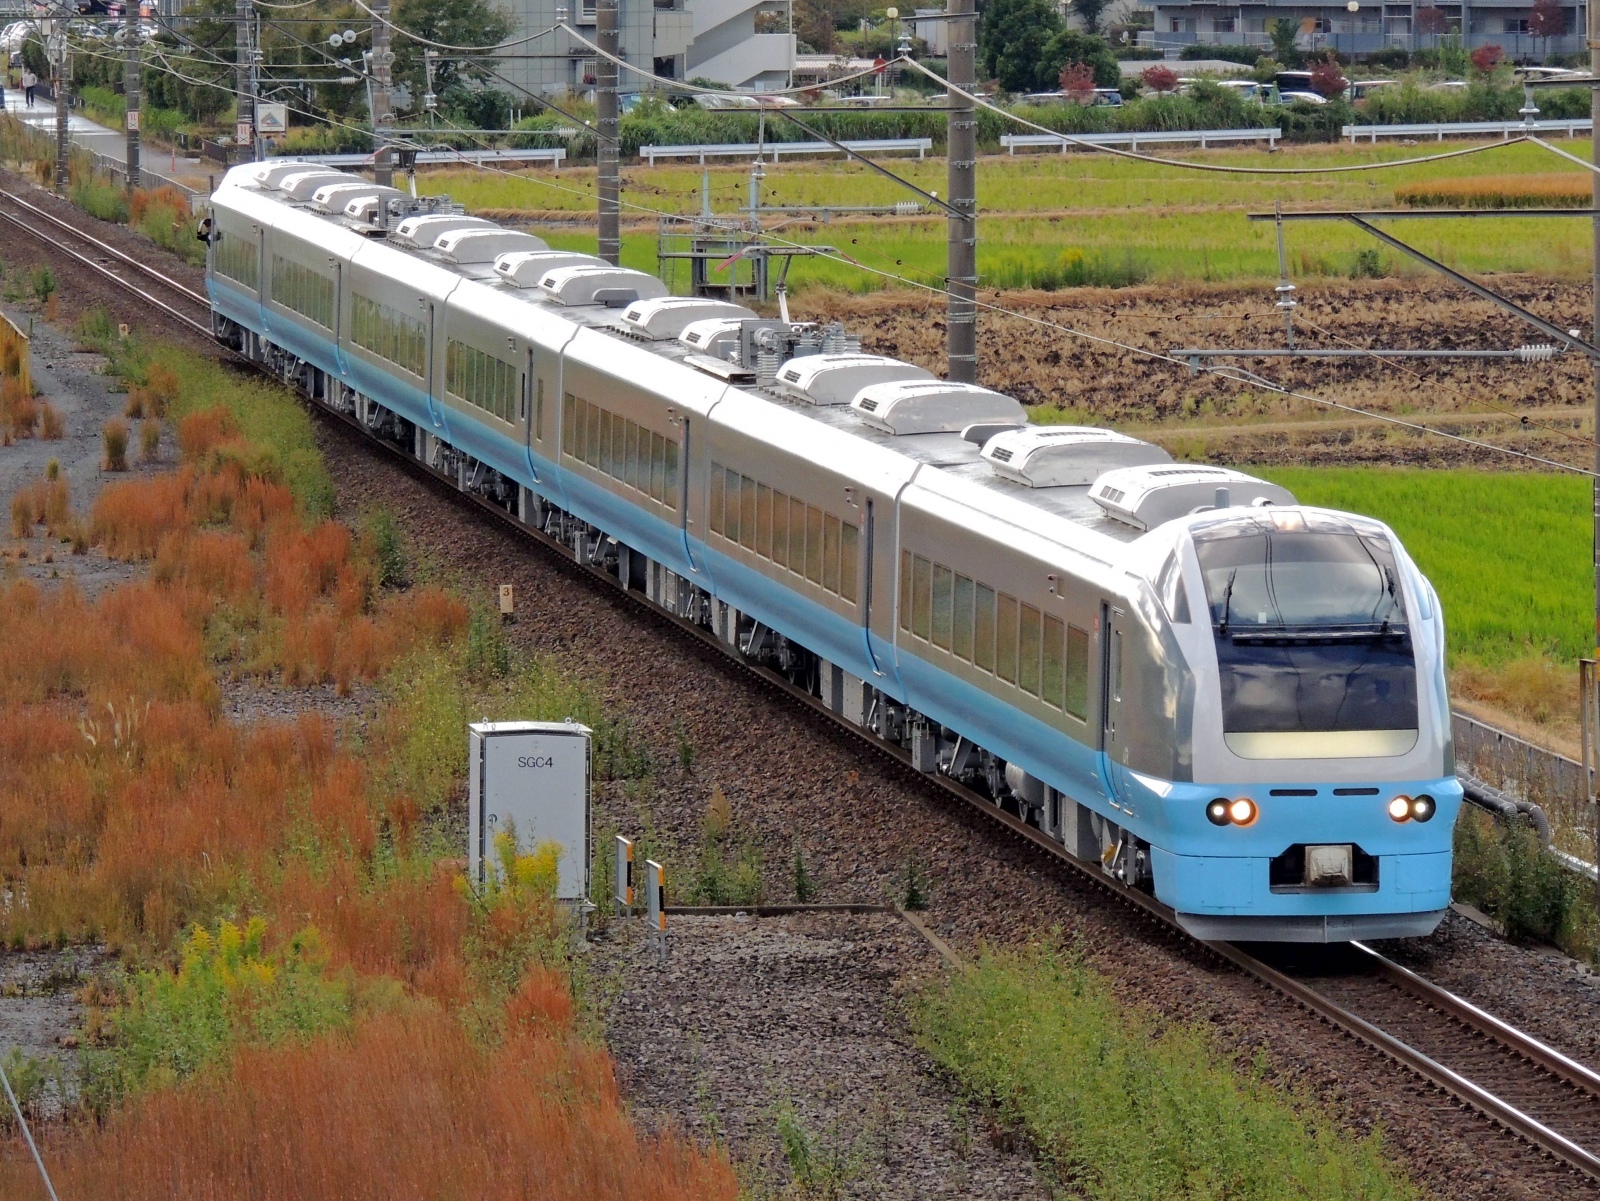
x=970 y=473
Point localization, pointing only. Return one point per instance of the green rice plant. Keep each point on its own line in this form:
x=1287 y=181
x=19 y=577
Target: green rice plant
x=1508 y=552
x=1125 y=1106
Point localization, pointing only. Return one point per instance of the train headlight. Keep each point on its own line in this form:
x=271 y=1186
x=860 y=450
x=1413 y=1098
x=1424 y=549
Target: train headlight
x=1217 y=812
x=1400 y=809
x=1242 y=812
x=1423 y=807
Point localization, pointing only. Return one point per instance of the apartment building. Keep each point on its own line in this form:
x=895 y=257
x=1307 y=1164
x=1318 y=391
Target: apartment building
x=1364 y=26
x=670 y=39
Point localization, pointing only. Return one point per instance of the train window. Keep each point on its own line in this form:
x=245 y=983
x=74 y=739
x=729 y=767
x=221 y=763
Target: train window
x=961 y=620
x=780 y=529
x=921 y=596
x=797 y=536
x=830 y=552
x=1005 y=665
x=303 y=291
x=718 y=489
x=617 y=449
x=813 y=545
x=764 y=521
x=607 y=462
x=236 y=258
x=747 y=514
x=1116 y=665
x=591 y=441
x=731 y=519
x=942 y=583
x=658 y=466
x=1028 y=660
x=1077 y=673
x=905 y=590
x=569 y=414
x=849 y=561
x=983 y=627
x=670 y=489
x=1053 y=681
x=628 y=455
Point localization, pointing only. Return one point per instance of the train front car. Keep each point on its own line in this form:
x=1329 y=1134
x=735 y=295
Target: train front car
x=1322 y=799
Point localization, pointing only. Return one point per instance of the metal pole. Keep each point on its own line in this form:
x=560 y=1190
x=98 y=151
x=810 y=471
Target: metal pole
x=27 y=1134
x=130 y=86
x=607 y=186
x=63 y=167
x=243 y=77
x=382 y=108
x=961 y=320
x=1593 y=26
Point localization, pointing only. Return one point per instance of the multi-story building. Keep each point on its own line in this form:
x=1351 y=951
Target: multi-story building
x=1364 y=26
x=671 y=39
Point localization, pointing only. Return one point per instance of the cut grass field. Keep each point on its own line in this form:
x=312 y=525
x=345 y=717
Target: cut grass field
x=1078 y=218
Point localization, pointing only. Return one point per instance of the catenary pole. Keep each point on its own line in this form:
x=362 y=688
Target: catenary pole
x=961 y=318
x=130 y=86
x=382 y=106
x=608 y=186
x=243 y=77
x=58 y=58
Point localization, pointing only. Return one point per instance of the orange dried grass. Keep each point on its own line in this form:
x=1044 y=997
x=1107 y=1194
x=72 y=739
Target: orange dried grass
x=19 y=412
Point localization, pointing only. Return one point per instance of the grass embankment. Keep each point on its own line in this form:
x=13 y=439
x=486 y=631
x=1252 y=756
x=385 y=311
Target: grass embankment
x=1123 y=1106
x=306 y=966
x=1051 y=220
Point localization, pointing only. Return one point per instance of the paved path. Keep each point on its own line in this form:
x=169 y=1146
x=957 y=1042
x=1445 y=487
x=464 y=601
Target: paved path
x=157 y=165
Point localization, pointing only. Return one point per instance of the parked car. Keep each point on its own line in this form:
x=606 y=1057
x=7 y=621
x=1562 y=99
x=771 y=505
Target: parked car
x=1308 y=97
x=1362 y=88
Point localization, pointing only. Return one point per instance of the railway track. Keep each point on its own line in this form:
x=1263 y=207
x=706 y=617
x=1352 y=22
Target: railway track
x=1527 y=1088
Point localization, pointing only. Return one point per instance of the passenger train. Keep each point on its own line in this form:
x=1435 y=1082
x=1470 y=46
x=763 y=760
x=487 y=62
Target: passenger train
x=1221 y=696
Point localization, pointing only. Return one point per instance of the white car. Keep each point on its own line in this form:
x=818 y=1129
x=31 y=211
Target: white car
x=1308 y=97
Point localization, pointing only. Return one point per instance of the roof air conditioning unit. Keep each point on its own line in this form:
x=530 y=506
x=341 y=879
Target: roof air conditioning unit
x=668 y=316
x=272 y=174
x=422 y=231
x=525 y=268
x=333 y=197
x=611 y=286
x=1145 y=497
x=834 y=379
x=1066 y=455
x=470 y=246
x=303 y=185
x=933 y=407
x=718 y=337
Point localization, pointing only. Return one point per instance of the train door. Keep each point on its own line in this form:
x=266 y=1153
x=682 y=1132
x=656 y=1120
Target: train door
x=1113 y=720
x=869 y=536
x=685 y=474
x=433 y=355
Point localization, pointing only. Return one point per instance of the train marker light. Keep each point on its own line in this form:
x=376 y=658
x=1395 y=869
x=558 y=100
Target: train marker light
x=1400 y=809
x=1242 y=812
x=1423 y=807
x=1217 y=812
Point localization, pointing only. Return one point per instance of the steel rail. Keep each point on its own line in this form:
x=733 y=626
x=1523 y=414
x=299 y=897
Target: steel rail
x=1507 y=1037
x=46 y=237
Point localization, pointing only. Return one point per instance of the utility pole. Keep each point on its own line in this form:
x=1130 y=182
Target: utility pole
x=382 y=107
x=961 y=139
x=608 y=186
x=58 y=58
x=244 y=70
x=1593 y=24
x=130 y=86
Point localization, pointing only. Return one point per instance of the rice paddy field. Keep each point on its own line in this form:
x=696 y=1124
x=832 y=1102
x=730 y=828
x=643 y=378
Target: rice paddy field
x=1050 y=220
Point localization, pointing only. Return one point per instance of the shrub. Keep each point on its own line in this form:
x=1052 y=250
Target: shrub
x=149 y=440
x=52 y=426
x=44 y=284
x=1487 y=57
x=115 y=436
x=19 y=412
x=1501 y=868
x=1160 y=79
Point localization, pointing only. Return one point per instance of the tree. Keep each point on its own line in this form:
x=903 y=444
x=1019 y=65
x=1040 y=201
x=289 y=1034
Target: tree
x=1430 y=22
x=455 y=23
x=1070 y=46
x=1487 y=57
x=1012 y=40
x=1327 y=80
x=1160 y=79
x=1077 y=82
x=1282 y=32
x=1547 y=20
x=1089 y=12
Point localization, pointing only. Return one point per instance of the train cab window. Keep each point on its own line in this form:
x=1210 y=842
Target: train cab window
x=1006 y=639
x=961 y=620
x=1078 y=673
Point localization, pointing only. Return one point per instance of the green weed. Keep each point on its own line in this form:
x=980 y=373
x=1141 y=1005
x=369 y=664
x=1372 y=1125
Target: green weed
x=1501 y=869
x=1123 y=1106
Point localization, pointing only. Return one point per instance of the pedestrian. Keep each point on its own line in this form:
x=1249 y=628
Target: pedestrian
x=29 y=82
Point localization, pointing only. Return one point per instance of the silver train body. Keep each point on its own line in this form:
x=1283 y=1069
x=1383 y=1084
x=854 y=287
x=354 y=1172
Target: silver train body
x=1219 y=695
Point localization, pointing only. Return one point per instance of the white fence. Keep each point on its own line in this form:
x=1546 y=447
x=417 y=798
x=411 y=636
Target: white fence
x=1204 y=138
x=1441 y=130
x=554 y=155
x=778 y=149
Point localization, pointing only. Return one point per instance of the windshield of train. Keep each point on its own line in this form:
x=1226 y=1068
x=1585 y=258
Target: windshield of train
x=1310 y=625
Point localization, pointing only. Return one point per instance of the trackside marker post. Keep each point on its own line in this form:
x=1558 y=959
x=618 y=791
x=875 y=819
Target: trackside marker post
x=655 y=883
x=623 y=873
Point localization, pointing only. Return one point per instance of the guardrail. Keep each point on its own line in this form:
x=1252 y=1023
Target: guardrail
x=533 y=154
x=1441 y=130
x=1135 y=138
x=778 y=149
